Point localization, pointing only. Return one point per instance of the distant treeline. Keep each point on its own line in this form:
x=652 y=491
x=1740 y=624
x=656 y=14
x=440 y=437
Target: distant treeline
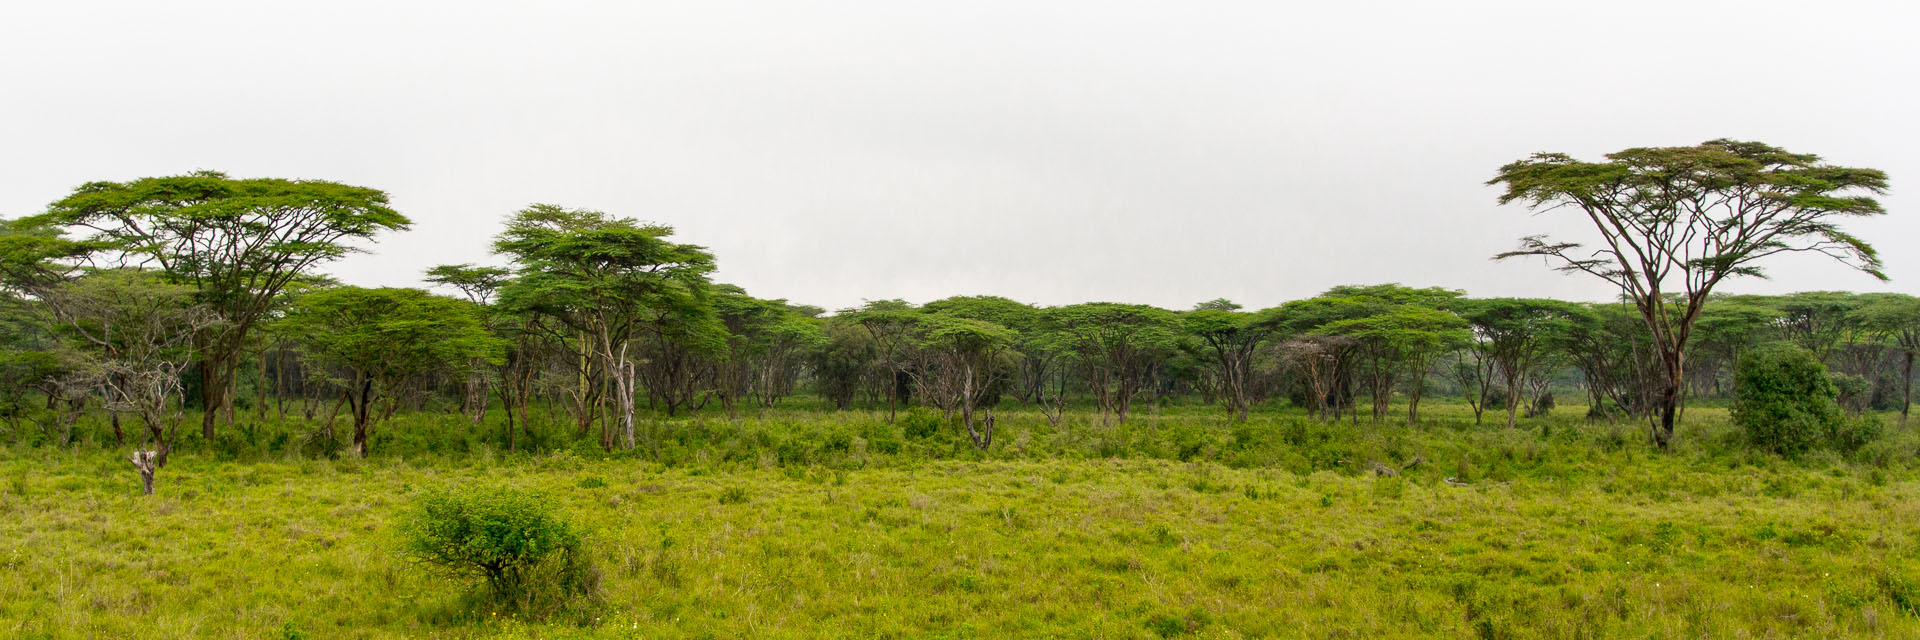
x=160 y=295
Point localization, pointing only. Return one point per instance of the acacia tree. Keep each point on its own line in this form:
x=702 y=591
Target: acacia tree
x=1828 y=324
x=784 y=349
x=890 y=323
x=746 y=320
x=129 y=333
x=479 y=284
x=764 y=345
x=962 y=367
x=1118 y=346
x=1516 y=336
x=1040 y=353
x=1319 y=362
x=1374 y=335
x=1609 y=345
x=603 y=280
x=37 y=262
x=1231 y=338
x=1895 y=318
x=385 y=339
x=1819 y=321
x=137 y=329
x=1400 y=342
x=679 y=343
x=237 y=242
x=1674 y=222
x=129 y=330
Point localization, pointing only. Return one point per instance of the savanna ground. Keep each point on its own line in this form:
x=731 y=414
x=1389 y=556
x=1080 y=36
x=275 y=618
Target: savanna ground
x=804 y=524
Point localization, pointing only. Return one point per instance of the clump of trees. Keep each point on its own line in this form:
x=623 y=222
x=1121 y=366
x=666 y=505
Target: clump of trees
x=151 y=298
x=375 y=343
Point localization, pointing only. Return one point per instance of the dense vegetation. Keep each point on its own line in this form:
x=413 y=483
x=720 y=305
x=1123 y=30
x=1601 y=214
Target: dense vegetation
x=1377 y=459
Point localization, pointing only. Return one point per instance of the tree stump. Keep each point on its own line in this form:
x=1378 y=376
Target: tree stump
x=146 y=462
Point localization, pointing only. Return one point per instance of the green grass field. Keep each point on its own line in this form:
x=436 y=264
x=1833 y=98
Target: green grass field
x=1278 y=529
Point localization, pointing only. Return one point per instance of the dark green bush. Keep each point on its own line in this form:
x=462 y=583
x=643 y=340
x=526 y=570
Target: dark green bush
x=1785 y=399
x=529 y=556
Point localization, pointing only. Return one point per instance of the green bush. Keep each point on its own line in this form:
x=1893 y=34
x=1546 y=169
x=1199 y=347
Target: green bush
x=1852 y=434
x=920 y=424
x=529 y=556
x=1785 y=399
x=1850 y=390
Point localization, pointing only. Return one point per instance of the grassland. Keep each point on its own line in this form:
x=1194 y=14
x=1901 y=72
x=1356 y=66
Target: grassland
x=806 y=525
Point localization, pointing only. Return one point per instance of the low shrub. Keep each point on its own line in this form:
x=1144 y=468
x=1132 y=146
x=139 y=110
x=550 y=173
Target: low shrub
x=528 y=554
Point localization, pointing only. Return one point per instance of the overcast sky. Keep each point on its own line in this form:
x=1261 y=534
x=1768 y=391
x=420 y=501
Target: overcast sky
x=1165 y=153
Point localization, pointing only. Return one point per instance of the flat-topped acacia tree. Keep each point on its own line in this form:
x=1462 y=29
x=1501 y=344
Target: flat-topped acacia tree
x=961 y=367
x=1228 y=339
x=1118 y=347
x=236 y=242
x=1674 y=222
x=603 y=281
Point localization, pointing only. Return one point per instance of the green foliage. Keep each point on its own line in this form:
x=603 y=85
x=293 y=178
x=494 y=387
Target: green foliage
x=1675 y=222
x=388 y=333
x=1780 y=200
x=1854 y=433
x=609 y=278
x=518 y=542
x=1851 y=390
x=920 y=424
x=842 y=360
x=238 y=243
x=477 y=283
x=1786 y=400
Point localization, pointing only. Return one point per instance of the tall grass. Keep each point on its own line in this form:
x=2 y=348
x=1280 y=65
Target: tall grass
x=803 y=524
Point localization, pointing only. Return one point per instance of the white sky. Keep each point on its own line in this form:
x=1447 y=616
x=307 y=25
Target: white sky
x=1056 y=152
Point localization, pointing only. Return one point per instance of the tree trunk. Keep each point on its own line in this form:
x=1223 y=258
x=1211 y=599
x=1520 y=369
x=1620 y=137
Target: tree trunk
x=209 y=397
x=1906 y=388
x=280 y=390
x=624 y=374
x=893 y=394
x=1668 y=406
x=1513 y=400
x=119 y=437
x=506 y=404
x=362 y=414
x=260 y=389
x=1416 y=388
